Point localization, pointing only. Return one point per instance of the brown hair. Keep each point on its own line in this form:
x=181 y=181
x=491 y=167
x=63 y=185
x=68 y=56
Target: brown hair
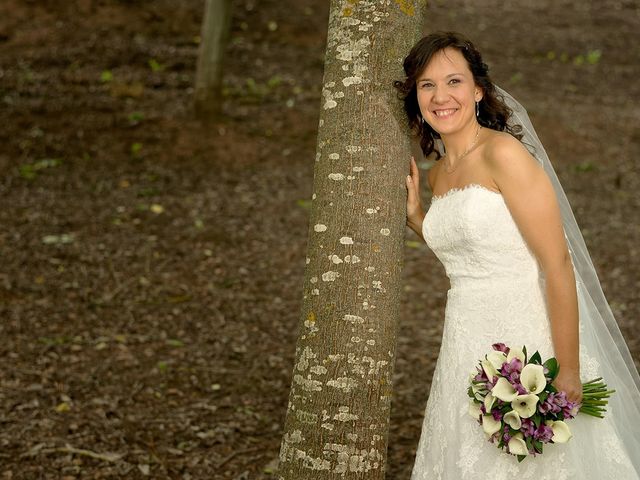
x=493 y=111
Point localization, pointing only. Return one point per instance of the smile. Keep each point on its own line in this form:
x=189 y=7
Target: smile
x=445 y=113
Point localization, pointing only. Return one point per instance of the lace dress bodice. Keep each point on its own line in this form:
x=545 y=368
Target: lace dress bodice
x=497 y=294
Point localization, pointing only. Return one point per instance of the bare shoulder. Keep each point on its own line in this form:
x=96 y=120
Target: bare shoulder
x=503 y=153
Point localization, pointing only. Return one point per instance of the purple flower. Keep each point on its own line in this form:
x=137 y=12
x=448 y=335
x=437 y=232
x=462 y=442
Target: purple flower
x=550 y=404
x=543 y=433
x=501 y=347
x=497 y=414
x=520 y=389
x=481 y=376
x=528 y=427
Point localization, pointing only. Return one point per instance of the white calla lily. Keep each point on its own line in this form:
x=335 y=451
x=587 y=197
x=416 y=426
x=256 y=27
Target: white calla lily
x=561 y=432
x=515 y=353
x=497 y=358
x=504 y=390
x=489 y=400
x=489 y=425
x=513 y=419
x=489 y=369
x=525 y=405
x=474 y=409
x=517 y=445
x=532 y=378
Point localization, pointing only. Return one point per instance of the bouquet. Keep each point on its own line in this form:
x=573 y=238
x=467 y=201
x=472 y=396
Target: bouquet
x=514 y=401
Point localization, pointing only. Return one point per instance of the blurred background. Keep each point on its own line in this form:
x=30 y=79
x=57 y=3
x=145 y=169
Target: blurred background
x=151 y=265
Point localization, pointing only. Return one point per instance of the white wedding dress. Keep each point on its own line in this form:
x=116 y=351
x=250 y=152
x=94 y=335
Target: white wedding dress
x=497 y=295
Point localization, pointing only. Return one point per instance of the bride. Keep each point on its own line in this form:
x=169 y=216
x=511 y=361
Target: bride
x=519 y=270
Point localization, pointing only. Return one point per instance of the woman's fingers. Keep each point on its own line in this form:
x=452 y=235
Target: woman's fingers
x=415 y=173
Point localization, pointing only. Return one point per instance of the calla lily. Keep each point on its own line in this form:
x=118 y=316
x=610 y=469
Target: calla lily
x=532 y=378
x=474 y=409
x=561 y=432
x=489 y=425
x=513 y=419
x=497 y=358
x=489 y=400
x=489 y=369
x=517 y=445
x=515 y=353
x=525 y=405
x=504 y=390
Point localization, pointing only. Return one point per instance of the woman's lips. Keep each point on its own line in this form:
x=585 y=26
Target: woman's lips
x=445 y=113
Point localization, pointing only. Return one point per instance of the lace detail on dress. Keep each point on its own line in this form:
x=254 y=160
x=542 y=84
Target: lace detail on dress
x=453 y=190
x=497 y=294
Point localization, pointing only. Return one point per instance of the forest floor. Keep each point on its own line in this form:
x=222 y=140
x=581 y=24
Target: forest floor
x=151 y=268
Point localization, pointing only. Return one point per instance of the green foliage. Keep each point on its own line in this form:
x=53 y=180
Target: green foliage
x=135 y=118
x=136 y=148
x=516 y=78
x=29 y=171
x=58 y=239
x=552 y=366
x=155 y=65
x=593 y=56
x=535 y=358
x=586 y=166
x=106 y=76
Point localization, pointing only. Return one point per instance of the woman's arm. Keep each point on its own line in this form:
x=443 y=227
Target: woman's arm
x=530 y=197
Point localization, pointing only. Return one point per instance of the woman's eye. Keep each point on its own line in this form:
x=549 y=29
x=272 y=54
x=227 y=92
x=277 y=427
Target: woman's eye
x=454 y=80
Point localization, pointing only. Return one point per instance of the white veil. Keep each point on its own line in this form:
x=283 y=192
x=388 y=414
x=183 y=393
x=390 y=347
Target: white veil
x=599 y=332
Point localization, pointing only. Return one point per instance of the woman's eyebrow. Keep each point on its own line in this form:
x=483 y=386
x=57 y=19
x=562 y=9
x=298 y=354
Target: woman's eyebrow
x=450 y=75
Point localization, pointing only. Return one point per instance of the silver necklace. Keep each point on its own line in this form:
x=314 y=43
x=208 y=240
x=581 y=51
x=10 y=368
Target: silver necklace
x=465 y=152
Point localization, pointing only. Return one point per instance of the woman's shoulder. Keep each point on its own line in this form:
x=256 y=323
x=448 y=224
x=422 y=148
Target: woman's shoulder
x=502 y=147
x=501 y=143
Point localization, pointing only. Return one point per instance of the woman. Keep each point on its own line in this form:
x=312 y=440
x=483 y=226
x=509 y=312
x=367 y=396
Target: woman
x=496 y=224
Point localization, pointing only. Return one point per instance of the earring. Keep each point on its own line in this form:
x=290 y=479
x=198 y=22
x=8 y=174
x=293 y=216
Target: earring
x=477 y=109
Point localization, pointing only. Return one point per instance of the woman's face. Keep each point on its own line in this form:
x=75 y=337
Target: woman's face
x=447 y=93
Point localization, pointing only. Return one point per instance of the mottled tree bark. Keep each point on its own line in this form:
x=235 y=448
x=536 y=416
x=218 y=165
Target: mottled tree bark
x=213 y=40
x=337 y=420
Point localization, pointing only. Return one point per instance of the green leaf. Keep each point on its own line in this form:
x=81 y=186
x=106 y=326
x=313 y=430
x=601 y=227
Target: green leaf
x=535 y=358
x=537 y=420
x=537 y=445
x=155 y=66
x=552 y=365
x=593 y=56
x=106 y=76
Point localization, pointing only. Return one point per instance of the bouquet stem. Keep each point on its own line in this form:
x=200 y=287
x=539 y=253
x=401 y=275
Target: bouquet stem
x=594 y=397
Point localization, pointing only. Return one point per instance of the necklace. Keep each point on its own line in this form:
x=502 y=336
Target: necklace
x=465 y=152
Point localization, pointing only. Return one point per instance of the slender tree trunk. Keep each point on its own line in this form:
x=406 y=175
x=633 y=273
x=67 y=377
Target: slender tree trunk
x=213 y=40
x=337 y=420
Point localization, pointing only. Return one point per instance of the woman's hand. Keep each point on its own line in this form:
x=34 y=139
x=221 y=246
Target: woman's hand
x=569 y=381
x=415 y=212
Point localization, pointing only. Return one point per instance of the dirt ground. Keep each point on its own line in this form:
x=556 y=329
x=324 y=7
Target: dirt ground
x=151 y=268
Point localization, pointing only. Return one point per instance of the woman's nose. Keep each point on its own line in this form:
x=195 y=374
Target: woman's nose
x=440 y=95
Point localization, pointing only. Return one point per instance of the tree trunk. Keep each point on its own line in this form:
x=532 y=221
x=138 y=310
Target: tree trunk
x=337 y=420
x=213 y=40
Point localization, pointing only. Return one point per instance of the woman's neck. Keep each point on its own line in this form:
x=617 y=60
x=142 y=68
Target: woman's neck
x=457 y=143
